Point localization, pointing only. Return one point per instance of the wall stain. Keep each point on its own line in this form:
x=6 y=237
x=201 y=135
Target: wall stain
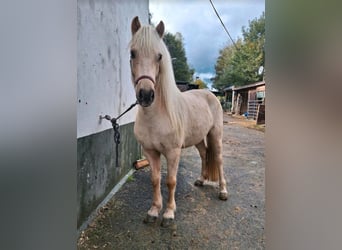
x=109 y=52
x=101 y=16
x=103 y=63
x=92 y=4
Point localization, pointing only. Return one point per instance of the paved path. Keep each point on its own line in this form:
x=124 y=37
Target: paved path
x=202 y=220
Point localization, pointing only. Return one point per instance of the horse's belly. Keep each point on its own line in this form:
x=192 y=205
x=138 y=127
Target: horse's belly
x=195 y=138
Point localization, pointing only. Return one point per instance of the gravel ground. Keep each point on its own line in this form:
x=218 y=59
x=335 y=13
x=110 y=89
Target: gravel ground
x=202 y=220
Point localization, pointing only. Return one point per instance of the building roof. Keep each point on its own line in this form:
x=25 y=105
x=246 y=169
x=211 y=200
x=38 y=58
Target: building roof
x=248 y=86
x=184 y=85
x=230 y=88
x=182 y=82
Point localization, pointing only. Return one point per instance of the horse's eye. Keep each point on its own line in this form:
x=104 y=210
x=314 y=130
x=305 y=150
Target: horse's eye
x=133 y=54
x=159 y=57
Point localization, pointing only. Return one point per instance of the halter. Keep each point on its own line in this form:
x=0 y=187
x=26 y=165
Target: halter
x=144 y=77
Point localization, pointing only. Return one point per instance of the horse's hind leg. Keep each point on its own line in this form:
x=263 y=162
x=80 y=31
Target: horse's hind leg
x=154 y=160
x=202 y=149
x=215 y=144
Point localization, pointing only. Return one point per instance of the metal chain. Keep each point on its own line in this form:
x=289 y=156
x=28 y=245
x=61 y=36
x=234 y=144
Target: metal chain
x=116 y=140
x=116 y=131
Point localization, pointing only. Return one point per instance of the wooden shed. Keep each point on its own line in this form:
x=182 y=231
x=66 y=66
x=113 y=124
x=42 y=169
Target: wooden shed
x=248 y=100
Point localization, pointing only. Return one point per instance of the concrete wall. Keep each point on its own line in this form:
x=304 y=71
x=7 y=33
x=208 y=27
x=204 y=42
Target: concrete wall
x=104 y=87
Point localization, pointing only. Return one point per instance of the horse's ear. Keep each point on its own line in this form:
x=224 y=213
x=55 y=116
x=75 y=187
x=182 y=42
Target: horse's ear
x=160 y=29
x=135 y=26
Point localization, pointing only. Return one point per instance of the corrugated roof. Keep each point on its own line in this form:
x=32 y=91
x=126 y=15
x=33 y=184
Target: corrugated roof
x=252 y=85
x=228 y=88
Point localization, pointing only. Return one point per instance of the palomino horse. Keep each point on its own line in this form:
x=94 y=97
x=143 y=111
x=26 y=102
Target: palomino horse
x=169 y=120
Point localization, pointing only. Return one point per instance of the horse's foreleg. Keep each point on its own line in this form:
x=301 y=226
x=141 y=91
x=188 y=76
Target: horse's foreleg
x=172 y=158
x=157 y=203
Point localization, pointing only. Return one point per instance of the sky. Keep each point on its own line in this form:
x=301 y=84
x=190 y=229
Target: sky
x=201 y=29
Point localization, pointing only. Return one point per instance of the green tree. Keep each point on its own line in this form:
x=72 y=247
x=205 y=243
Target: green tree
x=224 y=67
x=239 y=65
x=201 y=84
x=180 y=65
x=222 y=61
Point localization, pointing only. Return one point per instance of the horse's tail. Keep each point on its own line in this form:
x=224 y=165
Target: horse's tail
x=213 y=158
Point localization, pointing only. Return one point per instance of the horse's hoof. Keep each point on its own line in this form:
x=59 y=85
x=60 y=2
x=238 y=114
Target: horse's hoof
x=150 y=219
x=167 y=222
x=223 y=196
x=199 y=183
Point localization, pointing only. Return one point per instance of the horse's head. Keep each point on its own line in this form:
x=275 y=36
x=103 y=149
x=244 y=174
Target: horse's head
x=146 y=57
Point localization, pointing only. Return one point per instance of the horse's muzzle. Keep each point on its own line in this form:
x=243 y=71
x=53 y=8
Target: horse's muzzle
x=145 y=97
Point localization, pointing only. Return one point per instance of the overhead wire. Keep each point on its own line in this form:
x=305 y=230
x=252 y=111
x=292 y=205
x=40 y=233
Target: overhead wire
x=217 y=14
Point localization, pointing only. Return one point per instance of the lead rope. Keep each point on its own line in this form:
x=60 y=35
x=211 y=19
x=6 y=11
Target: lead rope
x=116 y=127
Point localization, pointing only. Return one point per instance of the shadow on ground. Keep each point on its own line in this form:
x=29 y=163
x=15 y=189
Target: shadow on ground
x=202 y=220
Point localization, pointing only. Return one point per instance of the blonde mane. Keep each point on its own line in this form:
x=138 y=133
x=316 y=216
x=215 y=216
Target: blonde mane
x=147 y=40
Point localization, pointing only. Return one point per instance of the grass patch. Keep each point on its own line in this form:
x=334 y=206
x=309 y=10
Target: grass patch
x=130 y=178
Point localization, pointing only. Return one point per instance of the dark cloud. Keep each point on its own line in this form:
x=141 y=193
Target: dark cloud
x=202 y=31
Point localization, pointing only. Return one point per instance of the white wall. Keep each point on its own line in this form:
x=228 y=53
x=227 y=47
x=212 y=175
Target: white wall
x=104 y=79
